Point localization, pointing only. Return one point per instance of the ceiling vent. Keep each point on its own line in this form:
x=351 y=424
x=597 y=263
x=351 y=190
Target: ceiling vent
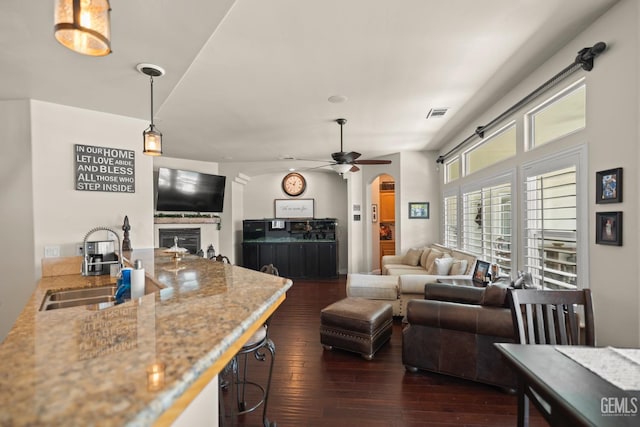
x=436 y=113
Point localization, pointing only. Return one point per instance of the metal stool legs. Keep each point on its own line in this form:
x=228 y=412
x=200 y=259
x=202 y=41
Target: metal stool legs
x=242 y=382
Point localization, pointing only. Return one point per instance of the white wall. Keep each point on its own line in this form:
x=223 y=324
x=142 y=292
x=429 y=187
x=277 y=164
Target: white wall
x=328 y=190
x=40 y=204
x=612 y=134
x=16 y=212
x=419 y=182
x=61 y=215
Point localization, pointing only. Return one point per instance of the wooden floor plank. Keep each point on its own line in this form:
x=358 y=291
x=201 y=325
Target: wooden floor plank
x=313 y=387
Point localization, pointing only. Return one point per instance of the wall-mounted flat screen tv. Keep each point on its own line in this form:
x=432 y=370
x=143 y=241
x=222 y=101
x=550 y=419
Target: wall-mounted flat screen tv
x=188 y=191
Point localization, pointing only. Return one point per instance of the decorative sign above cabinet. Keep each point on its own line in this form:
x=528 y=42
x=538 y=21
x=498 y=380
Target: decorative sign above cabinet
x=105 y=169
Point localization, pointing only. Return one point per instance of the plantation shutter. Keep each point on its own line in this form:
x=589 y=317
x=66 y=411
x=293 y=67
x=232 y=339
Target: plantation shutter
x=487 y=224
x=550 y=228
x=451 y=221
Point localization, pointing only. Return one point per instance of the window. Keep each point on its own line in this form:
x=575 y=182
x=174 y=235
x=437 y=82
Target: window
x=550 y=243
x=452 y=170
x=560 y=115
x=486 y=223
x=450 y=237
x=495 y=148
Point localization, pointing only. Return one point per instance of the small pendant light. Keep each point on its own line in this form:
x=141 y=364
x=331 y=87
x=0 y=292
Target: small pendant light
x=83 y=26
x=152 y=137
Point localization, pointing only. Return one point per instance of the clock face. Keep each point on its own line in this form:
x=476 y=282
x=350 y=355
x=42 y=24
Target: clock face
x=294 y=184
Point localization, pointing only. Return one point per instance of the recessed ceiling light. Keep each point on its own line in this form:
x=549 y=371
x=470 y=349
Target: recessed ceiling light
x=337 y=99
x=292 y=169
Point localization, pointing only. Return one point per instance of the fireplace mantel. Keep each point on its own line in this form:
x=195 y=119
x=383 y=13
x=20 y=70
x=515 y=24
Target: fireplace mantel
x=186 y=220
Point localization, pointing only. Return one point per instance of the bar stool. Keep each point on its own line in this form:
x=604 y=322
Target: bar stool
x=258 y=346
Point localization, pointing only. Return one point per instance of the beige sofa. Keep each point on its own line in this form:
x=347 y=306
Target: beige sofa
x=404 y=276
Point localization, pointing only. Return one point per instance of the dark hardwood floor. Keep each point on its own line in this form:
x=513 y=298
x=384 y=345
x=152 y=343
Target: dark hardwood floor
x=314 y=387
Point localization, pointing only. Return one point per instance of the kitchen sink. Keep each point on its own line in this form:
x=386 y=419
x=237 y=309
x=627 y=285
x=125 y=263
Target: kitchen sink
x=99 y=296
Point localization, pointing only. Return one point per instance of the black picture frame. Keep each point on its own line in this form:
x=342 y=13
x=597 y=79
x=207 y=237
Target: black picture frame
x=480 y=271
x=609 y=186
x=419 y=210
x=609 y=228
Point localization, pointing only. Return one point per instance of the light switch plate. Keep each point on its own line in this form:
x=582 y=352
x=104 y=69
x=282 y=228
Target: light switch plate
x=51 y=251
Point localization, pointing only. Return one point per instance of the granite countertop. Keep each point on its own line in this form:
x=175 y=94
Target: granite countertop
x=80 y=366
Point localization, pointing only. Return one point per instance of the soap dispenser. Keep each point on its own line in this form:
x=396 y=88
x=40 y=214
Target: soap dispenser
x=137 y=280
x=123 y=291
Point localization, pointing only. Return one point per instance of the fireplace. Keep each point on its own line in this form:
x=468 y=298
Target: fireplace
x=188 y=238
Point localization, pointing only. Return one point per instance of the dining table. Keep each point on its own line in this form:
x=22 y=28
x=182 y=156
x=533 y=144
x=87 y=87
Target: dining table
x=581 y=386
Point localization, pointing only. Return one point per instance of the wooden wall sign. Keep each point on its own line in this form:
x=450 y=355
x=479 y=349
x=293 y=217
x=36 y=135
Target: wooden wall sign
x=105 y=169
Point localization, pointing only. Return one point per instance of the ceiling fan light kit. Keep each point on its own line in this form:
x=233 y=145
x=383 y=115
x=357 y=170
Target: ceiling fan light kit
x=341 y=168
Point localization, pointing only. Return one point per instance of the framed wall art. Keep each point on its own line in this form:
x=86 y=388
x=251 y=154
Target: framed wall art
x=294 y=208
x=419 y=210
x=609 y=186
x=609 y=228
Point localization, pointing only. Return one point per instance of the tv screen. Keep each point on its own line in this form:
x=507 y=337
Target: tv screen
x=188 y=191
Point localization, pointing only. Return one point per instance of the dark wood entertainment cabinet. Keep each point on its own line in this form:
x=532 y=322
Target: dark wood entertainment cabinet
x=298 y=248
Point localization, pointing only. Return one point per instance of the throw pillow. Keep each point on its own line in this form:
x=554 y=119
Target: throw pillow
x=412 y=257
x=433 y=255
x=495 y=294
x=459 y=267
x=423 y=258
x=443 y=265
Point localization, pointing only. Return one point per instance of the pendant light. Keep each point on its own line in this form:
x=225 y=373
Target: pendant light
x=152 y=137
x=83 y=26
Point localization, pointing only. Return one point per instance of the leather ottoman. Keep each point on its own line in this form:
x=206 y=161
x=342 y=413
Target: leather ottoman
x=359 y=325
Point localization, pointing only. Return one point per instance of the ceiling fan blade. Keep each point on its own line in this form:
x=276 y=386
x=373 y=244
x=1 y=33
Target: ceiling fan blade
x=313 y=160
x=354 y=168
x=372 y=162
x=339 y=156
x=350 y=157
x=319 y=167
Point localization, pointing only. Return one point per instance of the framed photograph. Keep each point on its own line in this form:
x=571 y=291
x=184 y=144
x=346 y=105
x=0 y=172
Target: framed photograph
x=609 y=228
x=609 y=186
x=374 y=213
x=480 y=272
x=419 y=210
x=294 y=208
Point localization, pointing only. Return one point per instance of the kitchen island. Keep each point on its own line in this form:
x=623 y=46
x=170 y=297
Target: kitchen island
x=142 y=362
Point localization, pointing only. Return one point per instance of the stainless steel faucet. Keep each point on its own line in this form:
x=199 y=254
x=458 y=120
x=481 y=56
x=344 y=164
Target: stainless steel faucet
x=85 y=260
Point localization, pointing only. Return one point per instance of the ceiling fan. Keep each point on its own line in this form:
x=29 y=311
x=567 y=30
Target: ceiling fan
x=346 y=162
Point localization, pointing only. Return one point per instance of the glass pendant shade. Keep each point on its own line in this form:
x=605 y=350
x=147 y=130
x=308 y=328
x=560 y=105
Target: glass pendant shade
x=152 y=141
x=341 y=167
x=84 y=26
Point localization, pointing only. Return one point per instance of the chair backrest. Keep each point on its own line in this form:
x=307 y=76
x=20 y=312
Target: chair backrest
x=542 y=316
x=270 y=269
x=222 y=258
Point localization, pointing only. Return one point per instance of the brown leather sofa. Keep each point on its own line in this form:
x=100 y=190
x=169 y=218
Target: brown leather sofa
x=452 y=331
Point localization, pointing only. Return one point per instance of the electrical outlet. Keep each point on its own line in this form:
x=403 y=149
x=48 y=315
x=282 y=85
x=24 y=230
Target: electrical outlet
x=51 y=251
x=80 y=249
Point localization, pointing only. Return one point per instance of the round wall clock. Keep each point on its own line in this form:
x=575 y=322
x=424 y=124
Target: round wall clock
x=294 y=184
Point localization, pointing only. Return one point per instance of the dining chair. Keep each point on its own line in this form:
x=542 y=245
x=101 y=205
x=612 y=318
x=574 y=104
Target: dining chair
x=544 y=316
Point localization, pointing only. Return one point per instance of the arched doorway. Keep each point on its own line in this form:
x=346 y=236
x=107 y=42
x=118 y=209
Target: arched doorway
x=383 y=219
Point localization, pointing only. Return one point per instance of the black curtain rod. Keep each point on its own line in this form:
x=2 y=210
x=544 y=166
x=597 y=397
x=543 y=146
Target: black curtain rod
x=584 y=60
